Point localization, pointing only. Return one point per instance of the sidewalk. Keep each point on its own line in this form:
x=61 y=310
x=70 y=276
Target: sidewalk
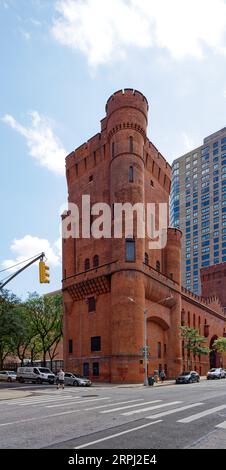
x=11 y=394
x=158 y=384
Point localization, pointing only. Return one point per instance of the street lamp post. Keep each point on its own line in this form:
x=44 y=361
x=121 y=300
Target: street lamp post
x=145 y=348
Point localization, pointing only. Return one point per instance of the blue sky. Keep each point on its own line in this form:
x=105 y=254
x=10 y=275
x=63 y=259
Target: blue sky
x=60 y=61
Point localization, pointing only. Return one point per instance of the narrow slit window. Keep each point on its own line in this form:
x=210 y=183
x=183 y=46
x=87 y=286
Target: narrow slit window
x=131 y=174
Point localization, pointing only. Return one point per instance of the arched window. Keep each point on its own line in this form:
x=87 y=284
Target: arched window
x=131 y=174
x=87 y=264
x=194 y=320
x=95 y=261
x=157 y=265
x=131 y=144
x=146 y=259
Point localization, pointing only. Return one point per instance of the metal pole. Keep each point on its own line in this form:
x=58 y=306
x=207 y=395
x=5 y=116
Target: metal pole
x=145 y=348
x=42 y=255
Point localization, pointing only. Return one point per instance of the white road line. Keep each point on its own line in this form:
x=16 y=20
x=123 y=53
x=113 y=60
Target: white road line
x=113 y=404
x=130 y=406
x=202 y=414
x=221 y=425
x=117 y=435
x=76 y=402
x=36 y=402
x=175 y=410
x=38 y=418
x=141 y=410
x=35 y=398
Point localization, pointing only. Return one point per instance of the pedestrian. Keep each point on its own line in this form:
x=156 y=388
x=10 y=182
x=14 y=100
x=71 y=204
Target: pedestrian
x=156 y=376
x=162 y=376
x=60 y=379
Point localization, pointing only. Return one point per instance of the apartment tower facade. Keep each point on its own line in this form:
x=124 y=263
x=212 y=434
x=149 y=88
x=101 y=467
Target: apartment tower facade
x=198 y=207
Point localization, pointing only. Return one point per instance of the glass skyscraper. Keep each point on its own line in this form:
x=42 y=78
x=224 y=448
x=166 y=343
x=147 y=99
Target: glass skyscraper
x=198 y=206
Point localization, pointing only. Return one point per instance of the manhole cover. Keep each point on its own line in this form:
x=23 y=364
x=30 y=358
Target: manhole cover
x=89 y=396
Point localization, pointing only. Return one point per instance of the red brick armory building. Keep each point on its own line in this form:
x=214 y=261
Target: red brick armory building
x=103 y=328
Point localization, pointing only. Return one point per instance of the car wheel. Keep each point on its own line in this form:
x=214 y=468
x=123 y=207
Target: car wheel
x=9 y=379
x=76 y=384
x=39 y=381
x=51 y=382
x=198 y=380
x=190 y=381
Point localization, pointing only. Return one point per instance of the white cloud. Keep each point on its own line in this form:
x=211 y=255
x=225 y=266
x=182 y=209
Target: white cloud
x=104 y=30
x=25 y=34
x=224 y=93
x=43 y=145
x=30 y=246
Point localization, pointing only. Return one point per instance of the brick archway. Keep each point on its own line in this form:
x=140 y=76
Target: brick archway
x=214 y=355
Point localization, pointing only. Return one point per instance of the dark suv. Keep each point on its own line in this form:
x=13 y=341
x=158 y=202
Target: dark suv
x=188 y=377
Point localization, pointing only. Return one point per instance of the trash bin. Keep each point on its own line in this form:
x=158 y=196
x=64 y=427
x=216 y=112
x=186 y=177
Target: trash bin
x=151 y=380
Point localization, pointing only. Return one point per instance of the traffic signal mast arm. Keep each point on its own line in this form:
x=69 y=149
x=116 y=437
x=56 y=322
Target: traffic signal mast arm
x=40 y=257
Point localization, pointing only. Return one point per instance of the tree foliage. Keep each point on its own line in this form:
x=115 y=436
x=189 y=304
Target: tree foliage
x=31 y=327
x=46 y=314
x=193 y=341
x=220 y=344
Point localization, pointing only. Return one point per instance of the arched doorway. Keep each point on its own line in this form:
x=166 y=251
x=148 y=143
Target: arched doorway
x=214 y=356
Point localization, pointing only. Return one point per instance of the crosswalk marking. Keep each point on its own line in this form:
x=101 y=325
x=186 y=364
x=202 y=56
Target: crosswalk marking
x=141 y=410
x=36 y=401
x=175 y=410
x=111 y=404
x=117 y=435
x=129 y=406
x=38 y=418
x=76 y=402
x=203 y=413
x=221 y=425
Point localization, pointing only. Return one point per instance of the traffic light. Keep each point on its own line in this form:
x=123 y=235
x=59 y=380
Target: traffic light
x=43 y=273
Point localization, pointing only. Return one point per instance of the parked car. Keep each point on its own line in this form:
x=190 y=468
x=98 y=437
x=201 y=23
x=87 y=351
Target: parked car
x=76 y=379
x=188 y=377
x=37 y=375
x=8 y=375
x=216 y=373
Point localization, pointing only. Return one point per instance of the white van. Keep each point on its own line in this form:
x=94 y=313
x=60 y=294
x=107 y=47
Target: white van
x=35 y=374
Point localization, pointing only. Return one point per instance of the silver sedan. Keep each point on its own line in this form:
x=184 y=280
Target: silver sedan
x=77 y=380
x=8 y=375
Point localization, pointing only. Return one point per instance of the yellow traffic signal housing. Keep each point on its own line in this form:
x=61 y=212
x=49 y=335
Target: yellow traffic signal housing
x=43 y=273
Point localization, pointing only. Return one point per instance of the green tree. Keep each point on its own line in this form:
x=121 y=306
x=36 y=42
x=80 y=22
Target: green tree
x=27 y=342
x=220 y=345
x=193 y=342
x=10 y=325
x=47 y=320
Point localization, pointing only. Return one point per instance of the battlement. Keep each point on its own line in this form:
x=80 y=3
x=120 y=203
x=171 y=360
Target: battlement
x=127 y=98
x=212 y=302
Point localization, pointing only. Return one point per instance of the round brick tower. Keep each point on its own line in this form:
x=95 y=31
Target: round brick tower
x=127 y=116
x=173 y=270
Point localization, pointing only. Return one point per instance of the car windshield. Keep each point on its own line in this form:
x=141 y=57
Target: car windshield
x=44 y=370
x=185 y=373
x=213 y=370
x=11 y=372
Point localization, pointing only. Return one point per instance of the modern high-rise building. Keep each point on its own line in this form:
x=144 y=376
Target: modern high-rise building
x=198 y=207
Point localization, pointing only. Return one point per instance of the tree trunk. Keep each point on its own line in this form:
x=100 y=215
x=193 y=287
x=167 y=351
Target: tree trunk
x=44 y=358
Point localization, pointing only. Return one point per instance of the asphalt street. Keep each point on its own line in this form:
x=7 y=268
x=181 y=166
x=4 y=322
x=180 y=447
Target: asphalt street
x=111 y=417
